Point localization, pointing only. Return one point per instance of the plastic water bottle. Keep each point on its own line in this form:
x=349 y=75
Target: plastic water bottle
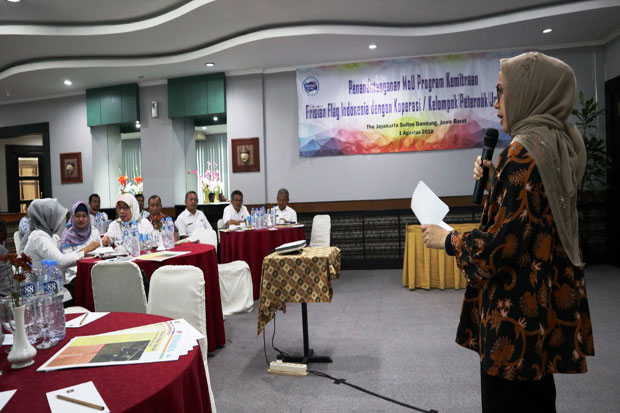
x=169 y=234
x=125 y=236
x=253 y=218
x=134 y=240
x=30 y=286
x=53 y=287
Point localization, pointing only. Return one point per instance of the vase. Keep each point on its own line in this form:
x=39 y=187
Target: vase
x=22 y=353
x=205 y=192
x=216 y=196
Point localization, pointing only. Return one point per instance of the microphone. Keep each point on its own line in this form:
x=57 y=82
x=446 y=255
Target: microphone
x=490 y=140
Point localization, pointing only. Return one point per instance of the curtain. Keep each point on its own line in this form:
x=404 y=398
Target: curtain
x=213 y=149
x=132 y=159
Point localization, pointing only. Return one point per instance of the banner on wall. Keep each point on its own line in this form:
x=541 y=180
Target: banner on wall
x=403 y=105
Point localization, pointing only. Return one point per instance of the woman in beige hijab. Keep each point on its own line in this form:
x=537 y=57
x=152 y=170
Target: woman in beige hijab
x=525 y=310
x=128 y=210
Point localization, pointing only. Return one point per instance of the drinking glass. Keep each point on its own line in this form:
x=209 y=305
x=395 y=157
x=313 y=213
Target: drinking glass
x=6 y=317
x=31 y=319
x=148 y=242
x=45 y=306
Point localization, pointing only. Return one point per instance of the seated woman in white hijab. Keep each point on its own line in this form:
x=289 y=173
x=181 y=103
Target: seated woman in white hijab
x=127 y=210
x=77 y=234
x=47 y=217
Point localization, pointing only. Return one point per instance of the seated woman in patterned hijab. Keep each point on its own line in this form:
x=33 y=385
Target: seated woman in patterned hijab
x=77 y=234
x=526 y=310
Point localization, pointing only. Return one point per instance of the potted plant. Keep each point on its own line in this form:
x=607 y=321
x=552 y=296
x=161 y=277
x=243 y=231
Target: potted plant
x=594 y=182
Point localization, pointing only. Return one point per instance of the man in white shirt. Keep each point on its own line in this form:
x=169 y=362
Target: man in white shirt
x=143 y=213
x=94 y=203
x=235 y=213
x=284 y=213
x=191 y=219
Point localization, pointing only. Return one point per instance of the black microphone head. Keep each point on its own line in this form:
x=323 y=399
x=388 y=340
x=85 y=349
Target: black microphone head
x=490 y=137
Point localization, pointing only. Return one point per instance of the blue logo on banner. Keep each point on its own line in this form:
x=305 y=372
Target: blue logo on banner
x=310 y=86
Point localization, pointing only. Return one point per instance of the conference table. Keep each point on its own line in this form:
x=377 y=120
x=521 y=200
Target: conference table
x=431 y=268
x=172 y=386
x=304 y=277
x=253 y=245
x=200 y=255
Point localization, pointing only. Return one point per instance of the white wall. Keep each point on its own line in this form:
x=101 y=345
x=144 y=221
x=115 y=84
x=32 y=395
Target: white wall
x=30 y=140
x=244 y=113
x=612 y=59
x=68 y=133
x=163 y=162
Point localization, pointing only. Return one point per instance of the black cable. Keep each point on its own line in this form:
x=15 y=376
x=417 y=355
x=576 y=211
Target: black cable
x=338 y=381
x=283 y=354
x=265 y=348
x=343 y=381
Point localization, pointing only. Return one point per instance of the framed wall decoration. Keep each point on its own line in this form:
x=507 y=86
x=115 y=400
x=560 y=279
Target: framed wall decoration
x=245 y=156
x=71 y=168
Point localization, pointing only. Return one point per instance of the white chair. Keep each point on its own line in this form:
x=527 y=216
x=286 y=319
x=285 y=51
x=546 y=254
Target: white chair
x=321 y=228
x=56 y=238
x=220 y=225
x=236 y=287
x=118 y=286
x=235 y=280
x=188 y=302
x=17 y=240
x=204 y=236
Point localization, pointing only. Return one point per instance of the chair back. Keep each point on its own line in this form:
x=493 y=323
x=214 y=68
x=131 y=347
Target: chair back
x=118 y=286
x=236 y=289
x=17 y=240
x=220 y=224
x=321 y=228
x=188 y=302
x=205 y=236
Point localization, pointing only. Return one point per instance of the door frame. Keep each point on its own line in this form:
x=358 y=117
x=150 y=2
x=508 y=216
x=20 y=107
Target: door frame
x=612 y=128
x=31 y=129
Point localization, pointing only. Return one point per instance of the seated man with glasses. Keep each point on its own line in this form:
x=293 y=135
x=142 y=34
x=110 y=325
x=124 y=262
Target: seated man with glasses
x=235 y=213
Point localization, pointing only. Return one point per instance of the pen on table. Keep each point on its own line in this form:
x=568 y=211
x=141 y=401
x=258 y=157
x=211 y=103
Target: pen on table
x=80 y=402
x=84 y=318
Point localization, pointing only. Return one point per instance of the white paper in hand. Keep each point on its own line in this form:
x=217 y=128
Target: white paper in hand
x=428 y=208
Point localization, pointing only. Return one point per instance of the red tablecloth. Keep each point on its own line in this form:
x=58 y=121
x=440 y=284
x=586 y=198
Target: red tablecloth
x=201 y=255
x=252 y=246
x=174 y=386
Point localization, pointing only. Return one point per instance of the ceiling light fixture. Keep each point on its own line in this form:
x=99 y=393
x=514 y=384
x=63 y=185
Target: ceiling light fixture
x=549 y=30
x=67 y=82
x=209 y=64
x=372 y=46
x=13 y=1
x=215 y=118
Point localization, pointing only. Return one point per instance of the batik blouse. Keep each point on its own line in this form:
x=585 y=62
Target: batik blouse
x=525 y=309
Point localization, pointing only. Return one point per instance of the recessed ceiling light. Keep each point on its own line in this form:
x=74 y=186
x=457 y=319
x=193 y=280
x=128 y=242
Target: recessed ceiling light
x=209 y=64
x=137 y=122
x=13 y=1
x=372 y=46
x=215 y=118
x=68 y=82
x=549 y=30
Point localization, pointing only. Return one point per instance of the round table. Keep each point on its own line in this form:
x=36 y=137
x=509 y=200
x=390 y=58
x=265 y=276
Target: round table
x=252 y=246
x=174 y=386
x=200 y=255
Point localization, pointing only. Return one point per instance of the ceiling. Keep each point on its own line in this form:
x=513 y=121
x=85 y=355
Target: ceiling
x=97 y=43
